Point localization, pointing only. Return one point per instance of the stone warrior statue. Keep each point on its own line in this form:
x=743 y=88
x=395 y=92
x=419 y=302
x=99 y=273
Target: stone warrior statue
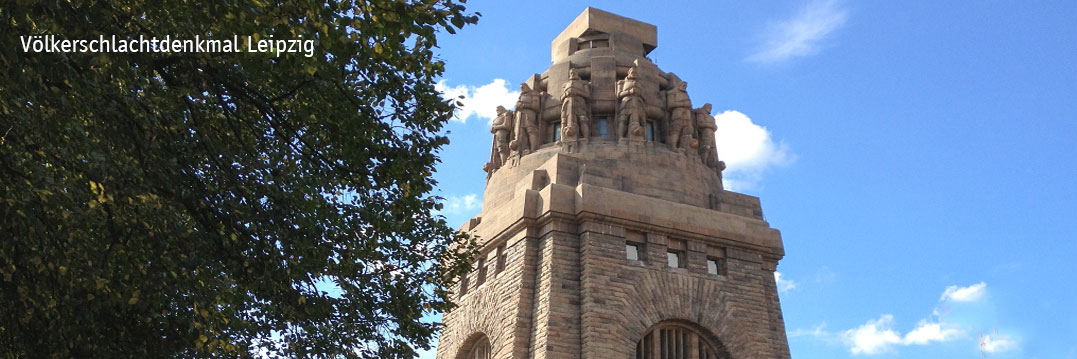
x=706 y=126
x=681 y=135
x=574 y=116
x=631 y=111
x=502 y=130
x=526 y=130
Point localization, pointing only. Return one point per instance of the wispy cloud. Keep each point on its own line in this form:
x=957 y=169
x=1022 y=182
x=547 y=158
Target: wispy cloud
x=997 y=343
x=971 y=293
x=784 y=285
x=803 y=34
x=825 y=275
x=748 y=150
x=460 y=204
x=481 y=101
x=819 y=331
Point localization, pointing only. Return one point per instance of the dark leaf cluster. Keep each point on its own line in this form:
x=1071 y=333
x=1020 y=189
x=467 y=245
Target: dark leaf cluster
x=187 y=204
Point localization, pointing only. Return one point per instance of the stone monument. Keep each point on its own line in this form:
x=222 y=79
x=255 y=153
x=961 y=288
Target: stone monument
x=605 y=229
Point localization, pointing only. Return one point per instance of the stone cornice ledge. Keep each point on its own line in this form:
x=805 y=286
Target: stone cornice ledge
x=632 y=207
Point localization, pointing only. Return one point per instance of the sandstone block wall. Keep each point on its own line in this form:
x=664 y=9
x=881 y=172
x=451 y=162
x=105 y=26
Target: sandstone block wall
x=568 y=289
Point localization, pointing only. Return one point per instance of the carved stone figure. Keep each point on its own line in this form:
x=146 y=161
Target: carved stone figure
x=632 y=113
x=574 y=118
x=706 y=126
x=681 y=134
x=526 y=123
x=502 y=130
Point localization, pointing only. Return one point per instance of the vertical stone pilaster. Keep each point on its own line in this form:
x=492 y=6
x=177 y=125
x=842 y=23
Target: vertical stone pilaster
x=603 y=82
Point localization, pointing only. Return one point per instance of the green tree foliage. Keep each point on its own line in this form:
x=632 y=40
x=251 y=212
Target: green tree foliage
x=224 y=204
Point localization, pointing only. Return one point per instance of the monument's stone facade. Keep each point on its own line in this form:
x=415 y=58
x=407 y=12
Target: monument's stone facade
x=605 y=227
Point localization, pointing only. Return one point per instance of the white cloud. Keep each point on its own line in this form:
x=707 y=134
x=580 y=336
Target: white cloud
x=747 y=149
x=784 y=285
x=997 y=343
x=479 y=101
x=873 y=337
x=878 y=336
x=802 y=34
x=971 y=293
x=460 y=204
x=927 y=332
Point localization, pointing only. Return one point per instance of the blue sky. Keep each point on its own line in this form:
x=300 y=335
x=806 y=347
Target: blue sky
x=918 y=157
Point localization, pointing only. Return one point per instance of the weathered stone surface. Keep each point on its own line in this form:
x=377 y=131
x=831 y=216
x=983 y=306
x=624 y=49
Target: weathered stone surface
x=557 y=223
x=502 y=130
x=643 y=36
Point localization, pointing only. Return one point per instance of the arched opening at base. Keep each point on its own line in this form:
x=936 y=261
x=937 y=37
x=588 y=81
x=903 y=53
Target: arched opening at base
x=478 y=347
x=679 y=340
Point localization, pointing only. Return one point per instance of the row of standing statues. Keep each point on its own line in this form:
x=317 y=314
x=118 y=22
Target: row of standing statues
x=517 y=132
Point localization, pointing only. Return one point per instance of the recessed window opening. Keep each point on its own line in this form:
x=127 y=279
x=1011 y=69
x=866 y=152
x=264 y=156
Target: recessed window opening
x=715 y=266
x=500 y=259
x=675 y=259
x=632 y=251
x=481 y=278
x=635 y=249
x=480 y=350
x=675 y=253
x=716 y=263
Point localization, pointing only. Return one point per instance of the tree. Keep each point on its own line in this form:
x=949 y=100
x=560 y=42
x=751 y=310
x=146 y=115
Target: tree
x=209 y=204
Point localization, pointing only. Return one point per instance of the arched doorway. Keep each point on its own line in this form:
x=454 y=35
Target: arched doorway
x=679 y=340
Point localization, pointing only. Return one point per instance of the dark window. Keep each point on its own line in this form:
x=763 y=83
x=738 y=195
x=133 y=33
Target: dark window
x=675 y=259
x=601 y=123
x=481 y=278
x=584 y=45
x=632 y=251
x=500 y=259
x=557 y=131
x=715 y=266
x=650 y=131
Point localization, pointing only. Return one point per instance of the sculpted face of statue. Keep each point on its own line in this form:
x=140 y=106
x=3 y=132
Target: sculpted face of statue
x=706 y=108
x=682 y=86
x=631 y=73
x=525 y=88
x=572 y=75
x=501 y=109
